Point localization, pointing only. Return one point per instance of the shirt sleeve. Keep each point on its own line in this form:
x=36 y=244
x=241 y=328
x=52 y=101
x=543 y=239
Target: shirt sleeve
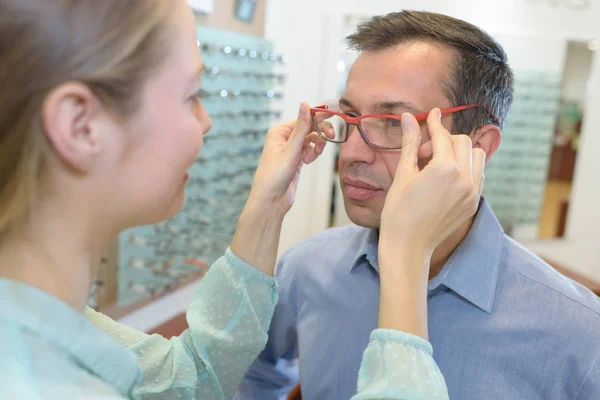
x=228 y=320
x=397 y=365
x=269 y=376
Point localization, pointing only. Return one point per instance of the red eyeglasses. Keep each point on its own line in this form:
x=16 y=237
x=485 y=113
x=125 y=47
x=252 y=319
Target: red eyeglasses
x=381 y=131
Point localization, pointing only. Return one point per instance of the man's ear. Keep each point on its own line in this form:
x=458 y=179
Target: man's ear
x=487 y=138
x=70 y=114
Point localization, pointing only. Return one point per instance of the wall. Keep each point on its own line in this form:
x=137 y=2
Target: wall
x=577 y=71
x=223 y=17
x=301 y=29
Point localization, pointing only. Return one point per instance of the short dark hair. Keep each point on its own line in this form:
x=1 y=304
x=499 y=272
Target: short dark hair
x=480 y=73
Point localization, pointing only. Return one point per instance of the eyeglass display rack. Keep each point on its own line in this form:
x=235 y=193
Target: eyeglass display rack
x=244 y=81
x=517 y=173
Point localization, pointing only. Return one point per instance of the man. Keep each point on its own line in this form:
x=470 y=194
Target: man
x=503 y=324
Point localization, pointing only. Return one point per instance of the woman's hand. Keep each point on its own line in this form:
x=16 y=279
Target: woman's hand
x=287 y=148
x=422 y=208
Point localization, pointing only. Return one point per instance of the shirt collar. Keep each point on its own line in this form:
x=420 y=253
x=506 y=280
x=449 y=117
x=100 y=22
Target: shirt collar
x=471 y=271
x=57 y=323
x=368 y=249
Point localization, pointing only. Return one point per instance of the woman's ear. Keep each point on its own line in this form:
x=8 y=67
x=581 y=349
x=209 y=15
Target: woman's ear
x=70 y=114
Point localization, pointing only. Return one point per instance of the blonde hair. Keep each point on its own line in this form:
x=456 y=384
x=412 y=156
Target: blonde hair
x=112 y=46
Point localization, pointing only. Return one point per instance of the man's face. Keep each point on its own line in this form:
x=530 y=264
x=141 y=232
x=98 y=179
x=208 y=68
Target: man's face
x=405 y=78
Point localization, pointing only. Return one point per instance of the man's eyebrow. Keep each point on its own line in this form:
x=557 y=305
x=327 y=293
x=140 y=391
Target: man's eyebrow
x=389 y=106
x=386 y=106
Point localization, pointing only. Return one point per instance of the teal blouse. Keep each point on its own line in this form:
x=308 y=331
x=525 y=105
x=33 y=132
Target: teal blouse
x=50 y=351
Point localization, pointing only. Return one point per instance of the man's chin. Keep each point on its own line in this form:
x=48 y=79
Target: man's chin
x=362 y=216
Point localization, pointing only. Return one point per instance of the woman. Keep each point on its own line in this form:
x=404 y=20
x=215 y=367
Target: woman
x=99 y=122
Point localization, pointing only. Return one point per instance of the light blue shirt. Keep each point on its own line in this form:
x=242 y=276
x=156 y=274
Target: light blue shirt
x=50 y=351
x=503 y=324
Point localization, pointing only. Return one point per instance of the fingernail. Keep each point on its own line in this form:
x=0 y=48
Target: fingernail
x=304 y=110
x=438 y=113
x=406 y=121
